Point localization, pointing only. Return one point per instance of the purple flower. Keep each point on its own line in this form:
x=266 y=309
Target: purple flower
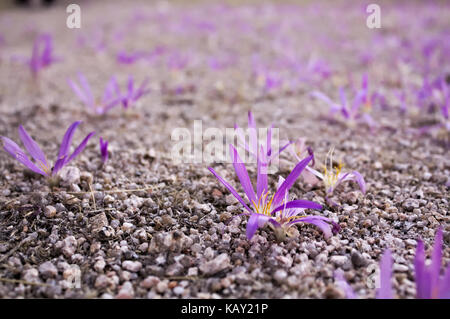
x=40 y=164
x=333 y=176
x=84 y=93
x=254 y=143
x=42 y=54
x=132 y=94
x=276 y=210
x=429 y=283
x=104 y=149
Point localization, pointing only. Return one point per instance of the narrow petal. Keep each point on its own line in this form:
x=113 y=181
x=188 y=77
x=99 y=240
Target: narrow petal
x=323 y=225
x=421 y=278
x=252 y=226
x=80 y=148
x=15 y=151
x=104 y=149
x=279 y=151
x=261 y=182
x=333 y=106
x=31 y=146
x=231 y=189
x=299 y=203
x=353 y=176
x=81 y=95
x=385 y=291
x=142 y=91
x=67 y=140
x=444 y=287
x=87 y=89
x=436 y=259
x=242 y=174
x=290 y=180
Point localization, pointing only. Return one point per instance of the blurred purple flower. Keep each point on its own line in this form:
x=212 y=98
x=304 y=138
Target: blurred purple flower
x=429 y=282
x=276 y=210
x=132 y=94
x=104 y=149
x=84 y=93
x=42 y=54
x=41 y=166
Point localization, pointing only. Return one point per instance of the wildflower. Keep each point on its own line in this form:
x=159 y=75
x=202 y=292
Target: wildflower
x=429 y=283
x=42 y=54
x=276 y=210
x=333 y=176
x=85 y=94
x=132 y=95
x=41 y=166
x=352 y=114
x=104 y=149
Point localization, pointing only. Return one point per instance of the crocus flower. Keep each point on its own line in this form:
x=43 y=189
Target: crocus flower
x=333 y=176
x=441 y=95
x=104 y=149
x=276 y=210
x=84 y=93
x=42 y=54
x=40 y=164
x=132 y=94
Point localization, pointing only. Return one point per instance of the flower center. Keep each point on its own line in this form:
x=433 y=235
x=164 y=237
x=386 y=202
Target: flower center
x=263 y=207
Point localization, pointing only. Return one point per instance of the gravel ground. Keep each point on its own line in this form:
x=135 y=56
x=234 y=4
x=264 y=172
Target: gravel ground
x=142 y=226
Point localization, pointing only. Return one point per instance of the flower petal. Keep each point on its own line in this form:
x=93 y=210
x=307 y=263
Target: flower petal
x=261 y=182
x=15 y=151
x=67 y=139
x=31 y=146
x=290 y=180
x=385 y=291
x=252 y=226
x=80 y=147
x=319 y=221
x=421 y=273
x=231 y=189
x=436 y=259
x=299 y=203
x=344 y=285
x=242 y=174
